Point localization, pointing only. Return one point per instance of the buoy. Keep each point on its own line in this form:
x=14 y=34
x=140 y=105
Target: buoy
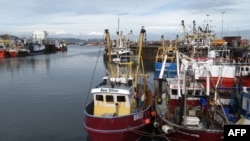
x=156 y=124
x=166 y=129
x=159 y=100
x=153 y=113
x=147 y=121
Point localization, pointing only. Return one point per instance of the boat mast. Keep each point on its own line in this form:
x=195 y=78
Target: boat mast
x=107 y=37
x=118 y=34
x=143 y=31
x=184 y=31
x=178 y=73
x=118 y=24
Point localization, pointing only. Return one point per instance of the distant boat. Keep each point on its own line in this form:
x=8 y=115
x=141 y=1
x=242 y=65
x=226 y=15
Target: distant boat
x=82 y=44
x=35 y=47
x=2 y=50
x=204 y=48
x=121 y=106
x=166 y=55
x=17 y=50
x=21 y=52
x=11 y=52
x=36 y=44
x=61 y=45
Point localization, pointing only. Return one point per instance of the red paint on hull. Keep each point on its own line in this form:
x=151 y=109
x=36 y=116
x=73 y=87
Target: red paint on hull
x=195 y=135
x=121 y=128
x=61 y=48
x=118 y=136
x=11 y=53
x=224 y=82
x=244 y=80
x=2 y=53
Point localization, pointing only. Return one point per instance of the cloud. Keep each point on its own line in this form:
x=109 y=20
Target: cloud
x=84 y=17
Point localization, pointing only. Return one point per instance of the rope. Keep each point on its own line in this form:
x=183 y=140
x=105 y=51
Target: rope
x=153 y=135
x=91 y=82
x=146 y=134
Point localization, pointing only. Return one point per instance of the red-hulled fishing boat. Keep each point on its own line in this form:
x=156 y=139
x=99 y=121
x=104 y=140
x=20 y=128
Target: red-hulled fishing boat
x=189 y=111
x=204 y=96
x=205 y=48
x=182 y=108
x=11 y=52
x=121 y=106
x=2 y=50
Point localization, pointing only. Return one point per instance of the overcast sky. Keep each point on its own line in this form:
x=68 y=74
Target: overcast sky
x=93 y=16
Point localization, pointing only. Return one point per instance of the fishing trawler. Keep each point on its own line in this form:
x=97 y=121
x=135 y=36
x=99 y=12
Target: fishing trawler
x=205 y=48
x=2 y=50
x=166 y=56
x=36 y=43
x=181 y=115
x=189 y=111
x=245 y=109
x=121 y=105
x=120 y=46
x=61 y=45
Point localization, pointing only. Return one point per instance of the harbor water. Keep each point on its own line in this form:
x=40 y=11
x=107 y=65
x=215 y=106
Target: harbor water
x=42 y=97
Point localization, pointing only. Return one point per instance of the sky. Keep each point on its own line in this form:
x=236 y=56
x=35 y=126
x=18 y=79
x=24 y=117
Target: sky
x=89 y=18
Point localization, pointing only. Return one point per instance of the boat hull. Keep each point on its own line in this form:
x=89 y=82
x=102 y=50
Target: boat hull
x=61 y=49
x=122 y=128
x=12 y=53
x=22 y=53
x=223 y=82
x=194 y=135
x=36 y=48
x=2 y=53
x=244 y=81
x=170 y=69
x=178 y=132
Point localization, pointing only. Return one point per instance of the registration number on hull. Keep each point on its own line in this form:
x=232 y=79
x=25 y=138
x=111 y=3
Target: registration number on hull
x=138 y=116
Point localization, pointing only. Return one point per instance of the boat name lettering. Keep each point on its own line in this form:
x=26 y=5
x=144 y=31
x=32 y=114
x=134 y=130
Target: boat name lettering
x=109 y=90
x=138 y=116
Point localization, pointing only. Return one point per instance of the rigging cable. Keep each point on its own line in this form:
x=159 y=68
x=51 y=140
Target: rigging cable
x=90 y=86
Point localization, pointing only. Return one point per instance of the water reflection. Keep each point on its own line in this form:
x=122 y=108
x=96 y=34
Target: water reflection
x=42 y=96
x=15 y=65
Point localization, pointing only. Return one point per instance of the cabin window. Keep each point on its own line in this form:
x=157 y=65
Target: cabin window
x=247 y=69
x=109 y=98
x=174 y=92
x=99 y=97
x=242 y=69
x=189 y=92
x=121 y=99
x=194 y=92
x=130 y=83
x=198 y=92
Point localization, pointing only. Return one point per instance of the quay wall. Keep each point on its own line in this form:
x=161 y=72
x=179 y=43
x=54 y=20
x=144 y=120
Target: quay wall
x=149 y=51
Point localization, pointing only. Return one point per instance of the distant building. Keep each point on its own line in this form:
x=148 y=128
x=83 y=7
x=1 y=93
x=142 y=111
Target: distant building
x=39 y=35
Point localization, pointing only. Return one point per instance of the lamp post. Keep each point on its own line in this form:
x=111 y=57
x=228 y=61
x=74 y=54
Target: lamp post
x=222 y=23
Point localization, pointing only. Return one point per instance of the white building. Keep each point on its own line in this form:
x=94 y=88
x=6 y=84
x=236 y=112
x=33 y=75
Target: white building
x=39 y=35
